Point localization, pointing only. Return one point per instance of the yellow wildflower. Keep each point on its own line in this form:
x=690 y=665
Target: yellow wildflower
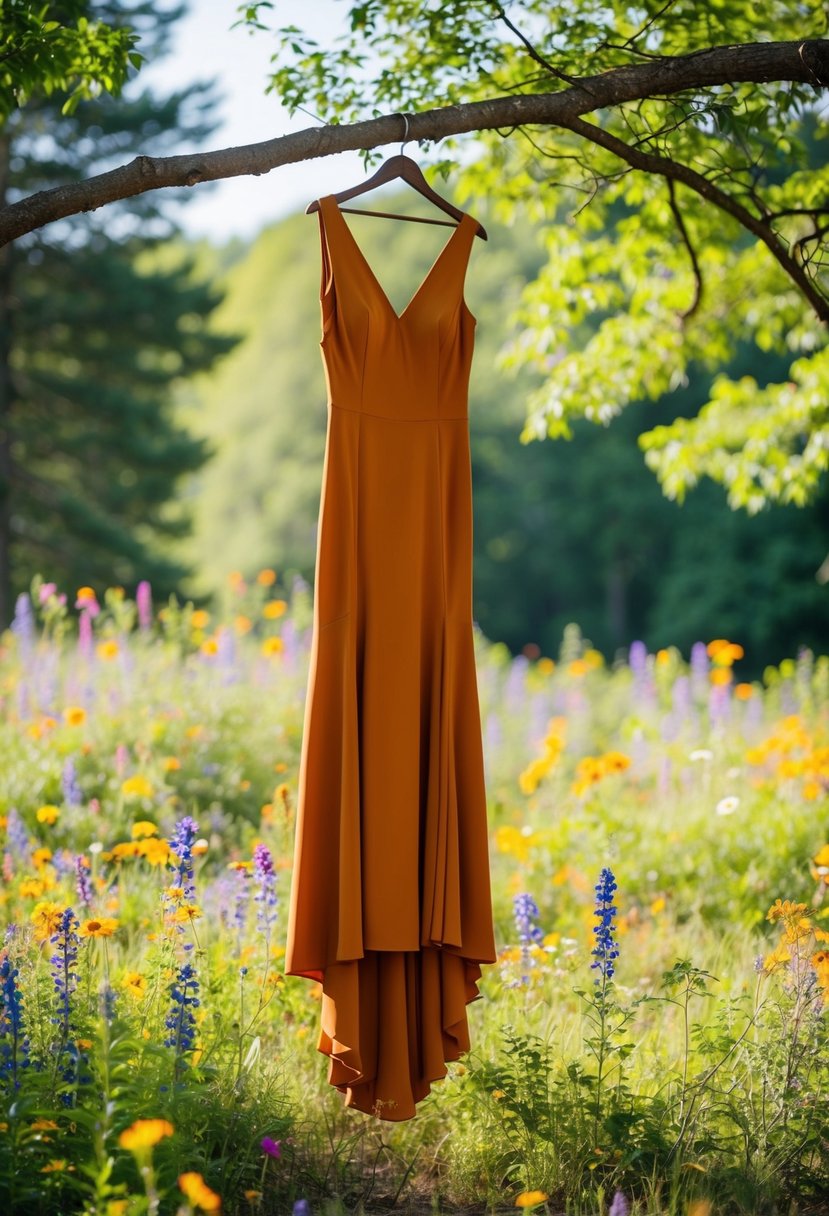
x=143 y=827
x=530 y=1199
x=187 y=912
x=720 y=676
x=272 y=647
x=785 y=909
x=242 y=624
x=84 y=1044
x=171 y=764
x=266 y=578
x=144 y=1133
x=777 y=958
x=135 y=984
x=47 y=814
x=107 y=650
x=104 y=927
x=31 y=888
x=40 y=857
x=743 y=692
x=46 y=919
x=154 y=851
x=136 y=787
x=196 y=1190
x=56 y=1167
x=126 y=848
x=209 y=647
x=200 y=619
x=274 y=609
x=74 y=715
x=545 y=667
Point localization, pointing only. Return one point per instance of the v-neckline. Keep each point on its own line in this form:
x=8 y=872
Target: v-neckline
x=398 y=316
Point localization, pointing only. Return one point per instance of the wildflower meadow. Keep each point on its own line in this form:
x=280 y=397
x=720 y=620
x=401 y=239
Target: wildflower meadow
x=651 y=1039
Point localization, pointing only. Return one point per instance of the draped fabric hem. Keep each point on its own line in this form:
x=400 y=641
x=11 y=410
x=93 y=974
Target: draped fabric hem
x=384 y=1057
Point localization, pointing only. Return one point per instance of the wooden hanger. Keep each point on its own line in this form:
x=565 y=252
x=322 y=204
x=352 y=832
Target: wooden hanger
x=407 y=170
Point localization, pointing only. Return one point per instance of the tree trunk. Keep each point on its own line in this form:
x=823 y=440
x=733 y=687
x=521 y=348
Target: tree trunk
x=6 y=399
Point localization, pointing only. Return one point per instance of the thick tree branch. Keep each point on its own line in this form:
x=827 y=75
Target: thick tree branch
x=802 y=61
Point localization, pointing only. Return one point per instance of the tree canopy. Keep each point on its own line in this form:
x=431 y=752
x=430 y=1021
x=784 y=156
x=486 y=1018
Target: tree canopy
x=672 y=149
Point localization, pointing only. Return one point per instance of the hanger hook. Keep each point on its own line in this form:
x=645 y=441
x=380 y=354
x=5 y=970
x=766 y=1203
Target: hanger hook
x=405 y=118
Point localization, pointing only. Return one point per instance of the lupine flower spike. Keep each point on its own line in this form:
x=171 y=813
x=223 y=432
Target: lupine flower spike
x=606 y=950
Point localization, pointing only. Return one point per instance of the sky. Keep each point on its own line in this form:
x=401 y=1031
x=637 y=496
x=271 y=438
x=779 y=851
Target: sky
x=205 y=47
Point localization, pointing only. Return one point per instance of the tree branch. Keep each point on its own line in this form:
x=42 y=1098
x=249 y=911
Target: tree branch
x=665 y=167
x=805 y=62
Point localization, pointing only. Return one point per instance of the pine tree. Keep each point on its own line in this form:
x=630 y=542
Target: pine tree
x=96 y=328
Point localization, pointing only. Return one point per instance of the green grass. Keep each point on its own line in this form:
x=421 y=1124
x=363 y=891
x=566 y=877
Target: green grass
x=695 y=1075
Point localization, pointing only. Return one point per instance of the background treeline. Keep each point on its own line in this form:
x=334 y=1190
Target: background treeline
x=564 y=531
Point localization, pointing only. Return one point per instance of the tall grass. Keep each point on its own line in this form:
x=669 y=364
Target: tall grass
x=652 y=1036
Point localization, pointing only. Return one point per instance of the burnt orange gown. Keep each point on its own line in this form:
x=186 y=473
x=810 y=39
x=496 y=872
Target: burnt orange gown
x=390 y=907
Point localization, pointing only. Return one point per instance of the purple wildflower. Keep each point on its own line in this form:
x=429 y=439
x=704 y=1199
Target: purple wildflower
x=72 y=794
x=265 y=896
x=619 y=1206
x=24 y=621
x=273 y=1148
x=83 y=885
x=144 y=604
x=240 y=905
x=16 y=834
x=525 y=911
x=64 y=962
x=85 y=640
x=301 y=1208
x=606 y=950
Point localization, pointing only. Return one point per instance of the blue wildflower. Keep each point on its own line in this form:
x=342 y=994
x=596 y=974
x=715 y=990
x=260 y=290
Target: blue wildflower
x=184 y=998
x=64 y=963
x=525 y=911
x=107 y=1000
x=65 y=977
x=181 y=842
x=265 y=896
x=605 y=950
x=14 y=1046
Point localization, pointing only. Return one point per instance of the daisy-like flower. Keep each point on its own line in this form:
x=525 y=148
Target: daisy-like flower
x=135 y=984
x=103 y=927
x=727 y=806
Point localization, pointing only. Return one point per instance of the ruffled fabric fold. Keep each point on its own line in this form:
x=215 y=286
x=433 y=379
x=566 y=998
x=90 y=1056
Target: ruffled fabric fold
x=391 y=1021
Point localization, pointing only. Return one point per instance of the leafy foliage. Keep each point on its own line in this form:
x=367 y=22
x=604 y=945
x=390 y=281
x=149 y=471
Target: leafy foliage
x=644 y=275
x=48 y=49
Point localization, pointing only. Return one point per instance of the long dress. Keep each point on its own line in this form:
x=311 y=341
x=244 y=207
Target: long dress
x=390 y=907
